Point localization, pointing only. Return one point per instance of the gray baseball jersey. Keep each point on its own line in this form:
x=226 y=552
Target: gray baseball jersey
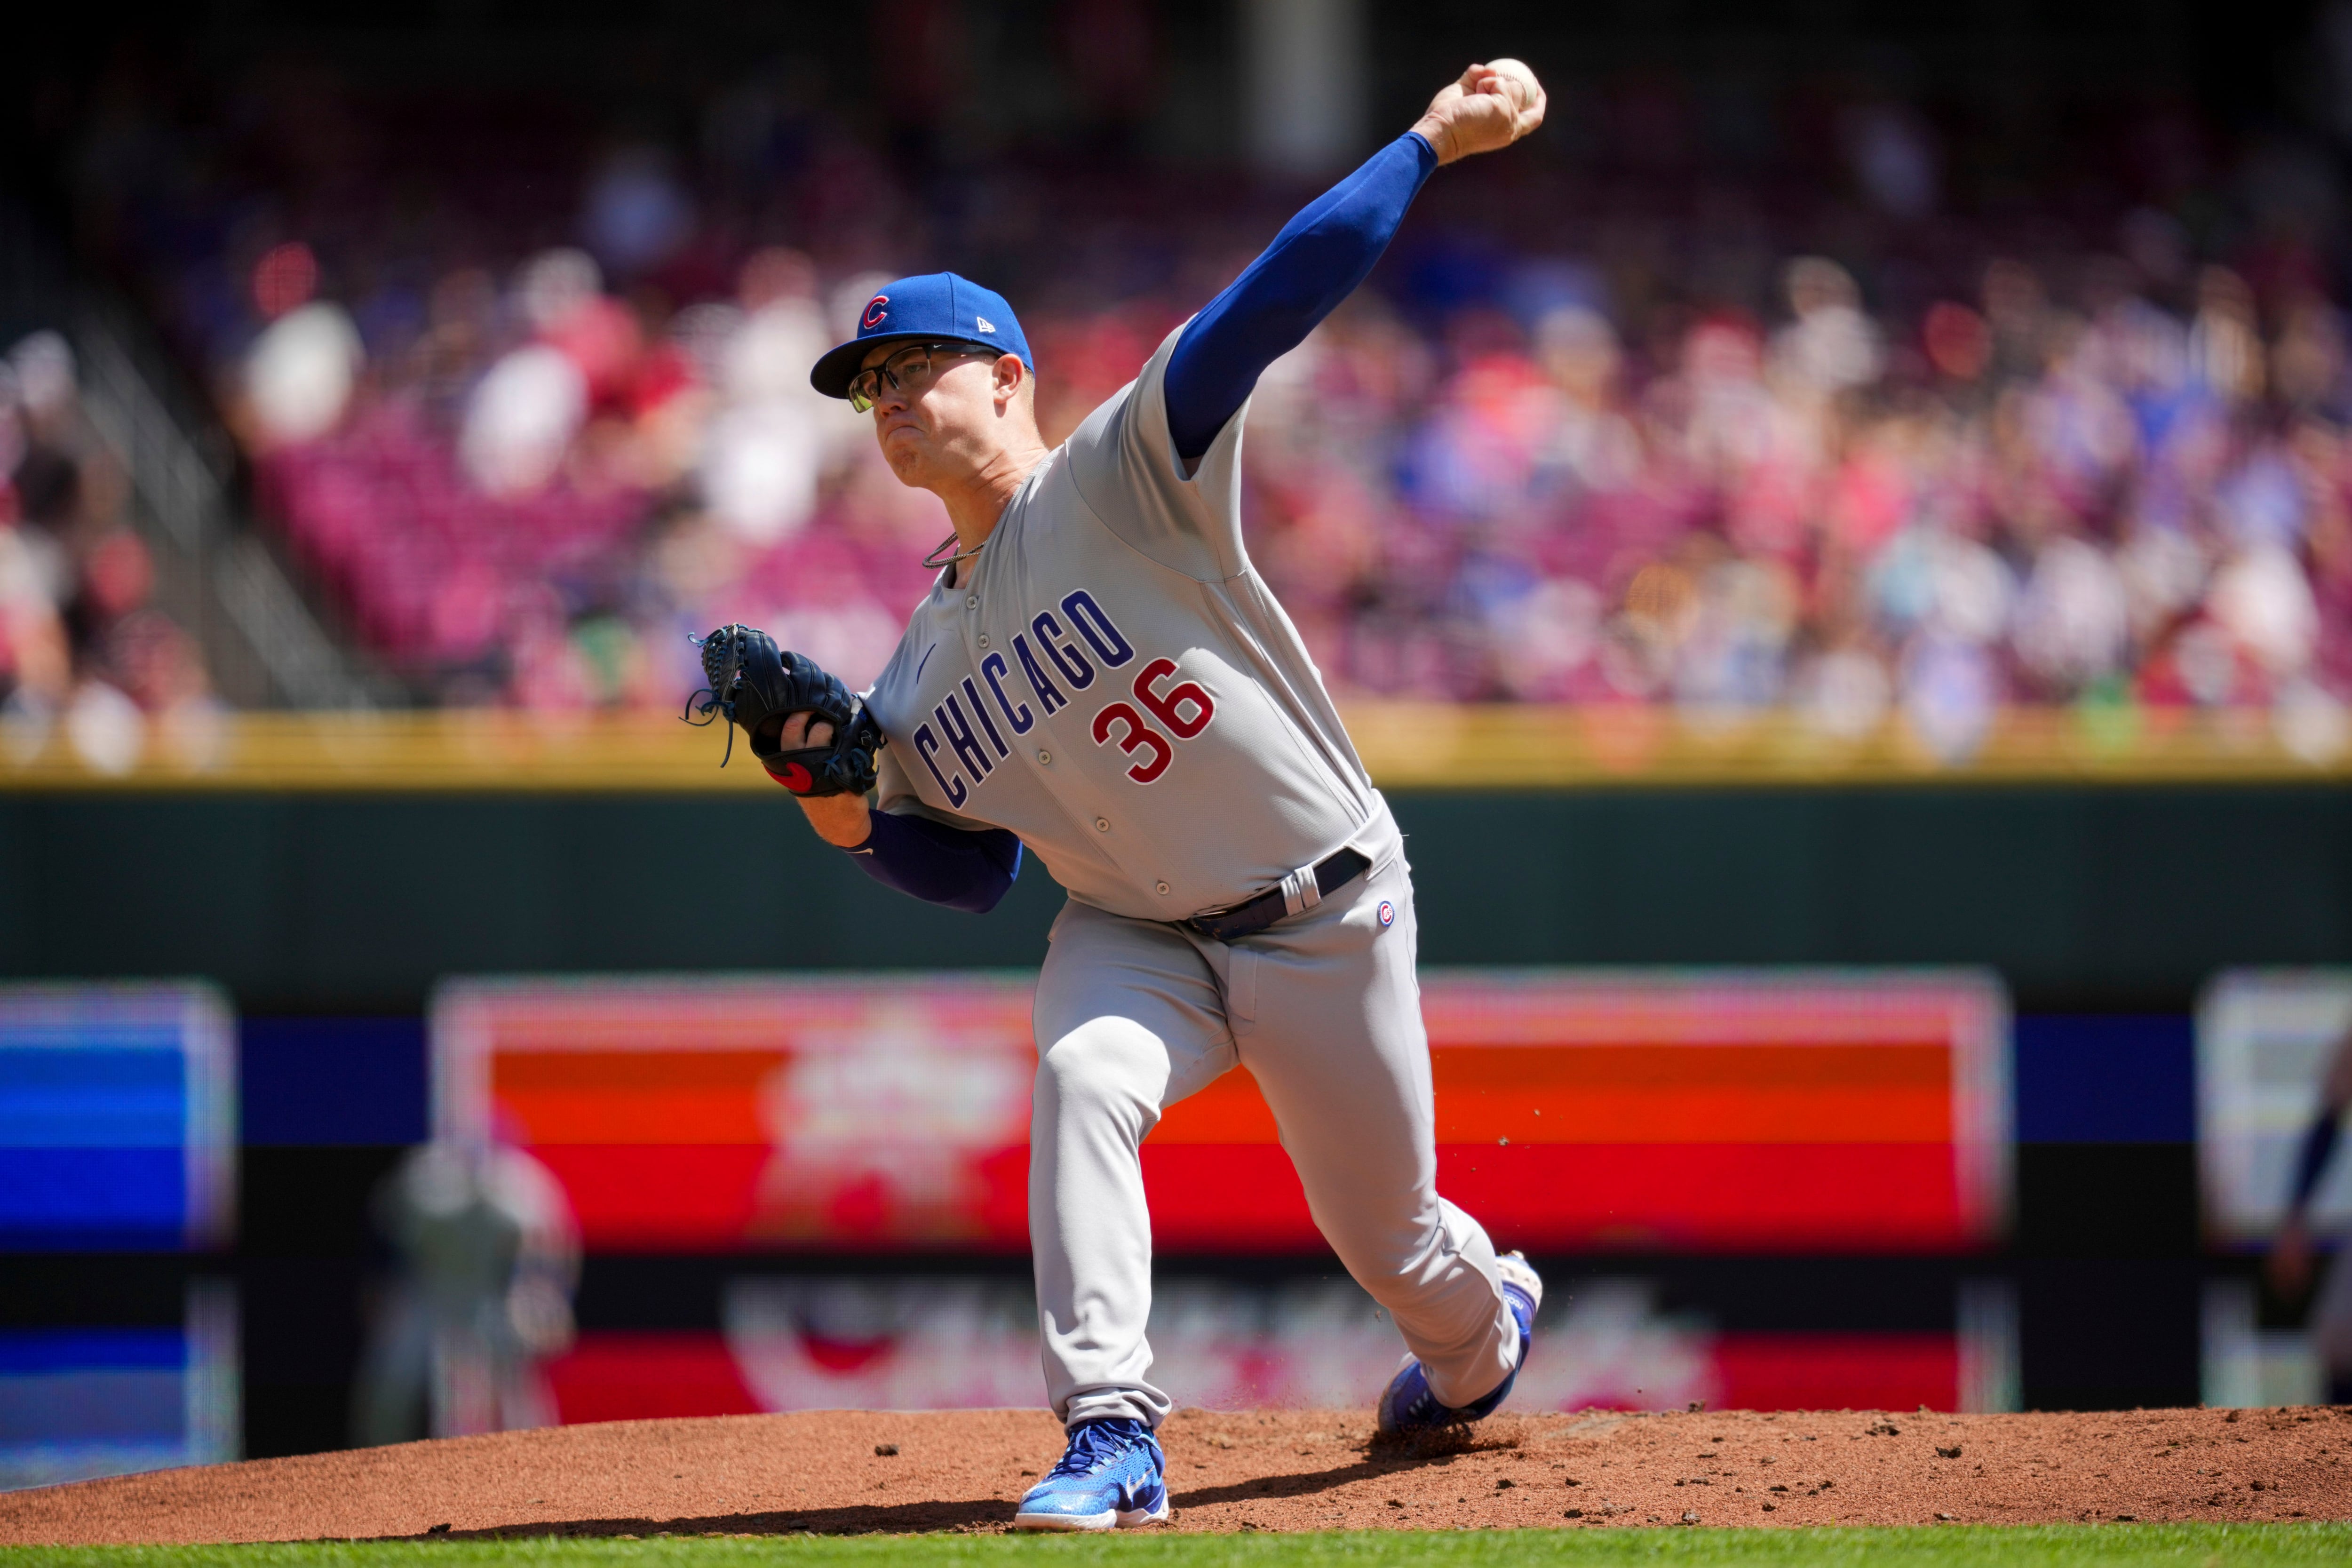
x=1114 y=683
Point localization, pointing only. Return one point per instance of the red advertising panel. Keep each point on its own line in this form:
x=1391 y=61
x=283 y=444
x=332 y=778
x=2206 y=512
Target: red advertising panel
x=617 y=1376
x=713 y=1116
x=1694 y=1111
x=835 y=1343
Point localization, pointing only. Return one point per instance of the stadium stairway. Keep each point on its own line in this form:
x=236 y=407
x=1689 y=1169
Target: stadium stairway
x=264 y=642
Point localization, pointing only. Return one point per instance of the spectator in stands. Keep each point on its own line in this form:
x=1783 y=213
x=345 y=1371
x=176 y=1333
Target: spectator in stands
x=85 y=655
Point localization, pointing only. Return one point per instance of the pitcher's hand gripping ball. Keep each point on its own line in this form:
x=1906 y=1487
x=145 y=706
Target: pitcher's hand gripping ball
x=759 y=686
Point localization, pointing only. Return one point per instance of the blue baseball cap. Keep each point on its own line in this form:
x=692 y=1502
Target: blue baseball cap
x=938 y=307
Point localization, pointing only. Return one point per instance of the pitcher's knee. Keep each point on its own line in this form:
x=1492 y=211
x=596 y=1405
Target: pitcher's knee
x=1399 y=1260
x=1107 y=1067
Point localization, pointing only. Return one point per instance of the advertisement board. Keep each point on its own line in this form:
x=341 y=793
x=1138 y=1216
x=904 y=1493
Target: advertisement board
x=78 y=1401
x=950 y=1343
x=1698 y=1111
x=118 y=1118
x=2265 y=1037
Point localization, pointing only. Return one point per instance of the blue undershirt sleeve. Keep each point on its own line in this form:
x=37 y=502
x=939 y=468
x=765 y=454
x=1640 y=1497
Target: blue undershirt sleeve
x=1313 y=264
x=938 y=864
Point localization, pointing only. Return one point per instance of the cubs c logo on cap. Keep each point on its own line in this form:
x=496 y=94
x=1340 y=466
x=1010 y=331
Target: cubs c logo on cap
x=939 y=306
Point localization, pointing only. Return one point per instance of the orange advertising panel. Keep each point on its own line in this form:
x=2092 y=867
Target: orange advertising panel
x=1690 y=1110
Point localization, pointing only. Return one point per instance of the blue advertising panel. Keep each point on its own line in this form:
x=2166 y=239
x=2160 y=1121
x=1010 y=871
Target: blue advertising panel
x=117 y=1122
x=81 y=1402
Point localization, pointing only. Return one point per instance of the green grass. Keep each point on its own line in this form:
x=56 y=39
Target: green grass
x=2027 y=1546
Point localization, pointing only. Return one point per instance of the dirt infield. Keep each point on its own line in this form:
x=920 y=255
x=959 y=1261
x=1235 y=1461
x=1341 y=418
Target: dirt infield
x=849 y=1471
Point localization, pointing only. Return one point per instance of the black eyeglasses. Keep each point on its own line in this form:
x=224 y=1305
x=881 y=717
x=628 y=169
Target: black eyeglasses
x=909 y=371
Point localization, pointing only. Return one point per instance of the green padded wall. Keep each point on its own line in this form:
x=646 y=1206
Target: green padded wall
x=2125 y=897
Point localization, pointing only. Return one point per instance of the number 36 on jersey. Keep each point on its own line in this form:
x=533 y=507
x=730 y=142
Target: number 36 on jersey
x=1055 y=656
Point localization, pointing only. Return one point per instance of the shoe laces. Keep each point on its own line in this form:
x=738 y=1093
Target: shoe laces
x=1096 y=1444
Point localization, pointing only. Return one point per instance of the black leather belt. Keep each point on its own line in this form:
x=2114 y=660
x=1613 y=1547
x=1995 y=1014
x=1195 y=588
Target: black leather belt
x=1250 y=918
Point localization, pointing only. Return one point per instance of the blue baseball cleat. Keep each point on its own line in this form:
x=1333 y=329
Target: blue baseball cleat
x=1408 y=1406
x=1110 y=1476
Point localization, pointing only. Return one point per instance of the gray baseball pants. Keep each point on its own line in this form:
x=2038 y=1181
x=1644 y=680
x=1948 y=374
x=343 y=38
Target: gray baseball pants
x=1324 y=1009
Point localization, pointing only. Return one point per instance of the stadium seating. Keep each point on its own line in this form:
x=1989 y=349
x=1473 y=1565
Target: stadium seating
x=1623 y=448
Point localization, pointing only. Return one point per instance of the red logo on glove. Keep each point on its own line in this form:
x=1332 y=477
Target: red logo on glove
x=796 y=778
x=874 y=312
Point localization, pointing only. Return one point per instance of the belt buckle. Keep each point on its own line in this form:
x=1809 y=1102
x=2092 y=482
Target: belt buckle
x=1205 y=922
x=1214 y=914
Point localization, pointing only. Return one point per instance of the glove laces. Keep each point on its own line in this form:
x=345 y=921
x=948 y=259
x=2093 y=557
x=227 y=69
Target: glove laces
x=721 y=692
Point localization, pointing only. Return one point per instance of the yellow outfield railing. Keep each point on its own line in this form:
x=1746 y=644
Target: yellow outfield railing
x=1405 y=745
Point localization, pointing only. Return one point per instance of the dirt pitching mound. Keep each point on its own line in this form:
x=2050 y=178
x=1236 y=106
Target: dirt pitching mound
x=854 y=1471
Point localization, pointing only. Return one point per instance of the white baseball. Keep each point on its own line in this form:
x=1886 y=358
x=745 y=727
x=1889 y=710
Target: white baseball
x=1518 y=81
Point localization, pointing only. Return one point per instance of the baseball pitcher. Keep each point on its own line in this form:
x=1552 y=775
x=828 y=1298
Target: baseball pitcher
x=1099 y=676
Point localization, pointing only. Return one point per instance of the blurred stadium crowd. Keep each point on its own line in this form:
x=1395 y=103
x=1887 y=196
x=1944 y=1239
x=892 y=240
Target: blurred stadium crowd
x=82 y=641
x=1611 y=425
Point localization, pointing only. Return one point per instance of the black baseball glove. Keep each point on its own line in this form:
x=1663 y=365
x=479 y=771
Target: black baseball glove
x=758 y=685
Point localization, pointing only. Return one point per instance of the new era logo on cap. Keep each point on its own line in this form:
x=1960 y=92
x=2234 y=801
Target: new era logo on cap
x=939 y=306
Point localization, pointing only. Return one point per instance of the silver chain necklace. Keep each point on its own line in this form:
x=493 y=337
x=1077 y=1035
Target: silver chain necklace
x=934 y=561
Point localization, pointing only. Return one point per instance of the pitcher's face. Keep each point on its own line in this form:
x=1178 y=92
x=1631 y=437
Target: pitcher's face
x=939 y=409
